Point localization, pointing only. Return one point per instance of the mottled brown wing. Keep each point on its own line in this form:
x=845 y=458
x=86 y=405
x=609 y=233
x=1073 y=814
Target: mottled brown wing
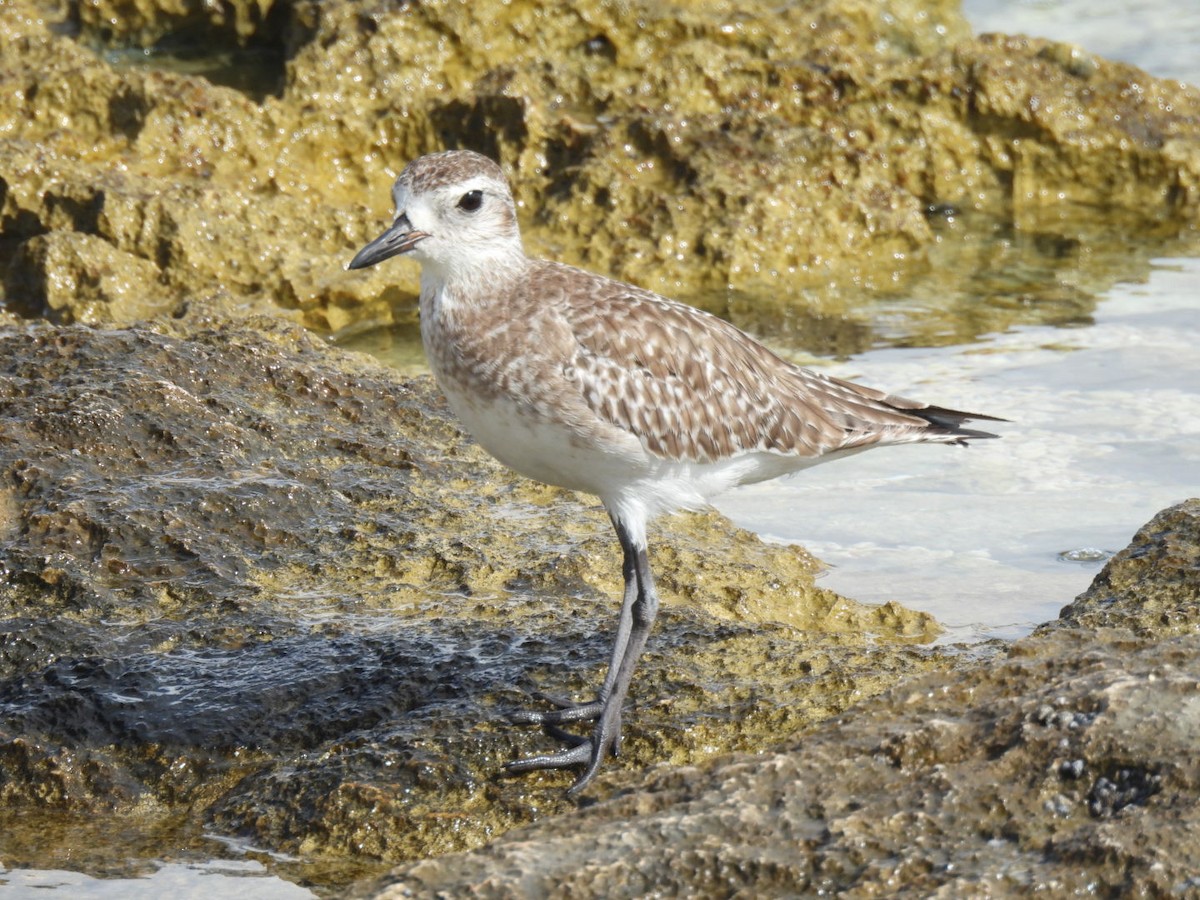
x=693 y=387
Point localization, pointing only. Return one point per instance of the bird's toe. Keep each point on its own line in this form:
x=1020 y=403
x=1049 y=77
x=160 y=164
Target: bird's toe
x=565 y=711
x=578 y=755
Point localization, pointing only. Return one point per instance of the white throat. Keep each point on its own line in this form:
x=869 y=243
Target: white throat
x=480 y=272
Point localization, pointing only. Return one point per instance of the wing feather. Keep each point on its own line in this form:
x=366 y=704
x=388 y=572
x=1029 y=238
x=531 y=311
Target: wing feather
x=691 y=386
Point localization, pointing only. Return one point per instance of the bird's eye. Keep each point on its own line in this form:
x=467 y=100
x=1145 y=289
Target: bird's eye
x=470 y=201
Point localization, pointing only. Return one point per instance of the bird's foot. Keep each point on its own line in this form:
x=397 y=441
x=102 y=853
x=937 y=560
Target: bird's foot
x=583 y=752
x=587 y=751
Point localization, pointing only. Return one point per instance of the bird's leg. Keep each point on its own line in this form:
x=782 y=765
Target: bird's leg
x=607 y=733
x=642 y=605
x=569 y=711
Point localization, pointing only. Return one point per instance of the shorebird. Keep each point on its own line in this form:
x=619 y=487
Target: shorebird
x=582 y=381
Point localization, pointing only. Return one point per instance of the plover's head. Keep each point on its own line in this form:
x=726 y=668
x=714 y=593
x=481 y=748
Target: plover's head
x=454 y=214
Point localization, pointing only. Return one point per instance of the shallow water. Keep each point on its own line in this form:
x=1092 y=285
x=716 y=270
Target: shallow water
x=1106 y=416
x=219 y=878
x=1105 y=432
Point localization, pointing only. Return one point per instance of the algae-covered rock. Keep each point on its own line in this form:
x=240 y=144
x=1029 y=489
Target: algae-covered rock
x=146 y=22
x=1150 y=587
x=70 y=276
x=255 y=584
x=1064 y=764
x=808 y=156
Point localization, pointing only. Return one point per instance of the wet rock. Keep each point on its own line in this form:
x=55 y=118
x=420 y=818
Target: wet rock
x=68 y=276
x=261 y=587
x=145 y=22
x=1064 y=764
x=257 y=585
x=803 y=156
x=1150 y=587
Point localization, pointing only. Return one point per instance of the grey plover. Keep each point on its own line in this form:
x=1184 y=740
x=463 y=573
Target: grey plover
x=579 y=380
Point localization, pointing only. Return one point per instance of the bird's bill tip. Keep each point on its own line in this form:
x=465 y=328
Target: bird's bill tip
x=399 y=238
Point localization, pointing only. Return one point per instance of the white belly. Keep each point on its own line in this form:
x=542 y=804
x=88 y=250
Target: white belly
x=547 y=451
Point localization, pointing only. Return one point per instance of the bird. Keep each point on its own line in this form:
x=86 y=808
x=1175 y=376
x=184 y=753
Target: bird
x=579 y=380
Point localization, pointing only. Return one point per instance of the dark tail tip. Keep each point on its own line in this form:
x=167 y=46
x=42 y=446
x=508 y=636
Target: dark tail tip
x=950 y=422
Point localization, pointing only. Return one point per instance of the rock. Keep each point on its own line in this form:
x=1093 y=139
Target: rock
x=145 y=22
x=1150 y=587
x=67 y=276
x=1064 y=765
x=256 y=584
x=807 y=156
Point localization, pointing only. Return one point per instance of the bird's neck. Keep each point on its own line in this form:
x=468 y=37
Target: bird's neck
x=472 y=282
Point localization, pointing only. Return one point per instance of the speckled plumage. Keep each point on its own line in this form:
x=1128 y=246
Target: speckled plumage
x=586 y=382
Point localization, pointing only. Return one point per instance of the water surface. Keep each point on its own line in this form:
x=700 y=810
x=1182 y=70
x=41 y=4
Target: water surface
x=1105 y=432
x=1105 y=429
x=207 y=881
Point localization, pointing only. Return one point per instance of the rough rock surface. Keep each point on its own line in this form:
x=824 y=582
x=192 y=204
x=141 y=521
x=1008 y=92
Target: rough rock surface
x=808 y=156
x=255 y=587
x=258 y=585
x=1064 y=766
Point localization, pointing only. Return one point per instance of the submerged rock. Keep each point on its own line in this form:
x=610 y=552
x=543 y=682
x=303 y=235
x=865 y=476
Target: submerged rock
x=1065 y=764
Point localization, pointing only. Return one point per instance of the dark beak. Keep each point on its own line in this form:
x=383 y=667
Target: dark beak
x=400 y=238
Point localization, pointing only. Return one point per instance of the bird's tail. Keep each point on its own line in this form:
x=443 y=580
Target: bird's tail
x=946 y=422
